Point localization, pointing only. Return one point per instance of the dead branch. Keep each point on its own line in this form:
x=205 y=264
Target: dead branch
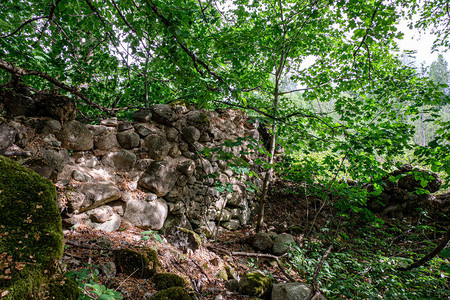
x=315 y=292
x=257 y=255
x=20 y=72
x=90 y=247
x=430 y=255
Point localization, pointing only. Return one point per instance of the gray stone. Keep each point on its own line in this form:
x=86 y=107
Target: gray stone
x=146 y=214
x=111 y=225
x=282 y=243
x=106 y=141
x=198 y=119
x=51 y=126
x=291 y=291
x=111 y=122
x=176 y=221
x=191 y=134
x=99 y=194
x=78 y=176
x=172 y=134
x=7 y=136
x=108 y=269
x=261 y=241
x=223 y=215
x=160 y=177
x=144 y=129
x=174 y=151
x=233 y=224
x=186 y=167
x=101 y=214
x=123 y=160
x=158 y=146
x=128 y=139
x=237 y=198
x=184 y=239
x=163 y=113
x=125 y=125
x=143 y=116
x=76 y=200
x=75 y=136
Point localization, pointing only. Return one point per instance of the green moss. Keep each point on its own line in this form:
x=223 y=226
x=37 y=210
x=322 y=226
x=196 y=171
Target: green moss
x=141 y=262
x=202 y=119
x=167 y=280
x=31 y=238
x=256 y=284
x=173 y=293
x=65 y=289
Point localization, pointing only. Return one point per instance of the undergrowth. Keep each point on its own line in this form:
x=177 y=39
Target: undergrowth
x=365 y=265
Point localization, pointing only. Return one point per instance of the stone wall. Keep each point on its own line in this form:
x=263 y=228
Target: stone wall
x=150 y=172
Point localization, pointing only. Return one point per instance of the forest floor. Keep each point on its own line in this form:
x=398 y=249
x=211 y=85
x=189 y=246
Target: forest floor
x=308 y=219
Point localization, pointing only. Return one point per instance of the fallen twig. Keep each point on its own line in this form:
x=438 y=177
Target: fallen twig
x=259 y=255
x=90 y=247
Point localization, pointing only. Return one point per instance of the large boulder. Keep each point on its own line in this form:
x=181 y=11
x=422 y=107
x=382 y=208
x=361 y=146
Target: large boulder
x=98 y=194
x=75 y=136
x=128 y=139
x=163 y=113
x=30 y=229
x=282 y=243
x=159 y=178
x=123 y=160
x=146 y=214
x=158 y=146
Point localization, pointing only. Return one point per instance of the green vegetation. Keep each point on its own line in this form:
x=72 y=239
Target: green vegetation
x=86 y=281
x=364 y=265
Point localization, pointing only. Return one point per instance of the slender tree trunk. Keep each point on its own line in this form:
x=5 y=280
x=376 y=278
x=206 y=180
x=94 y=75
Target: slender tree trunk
x=268 y=175
x=423 y=128
x=146 y=82
x=276 y=96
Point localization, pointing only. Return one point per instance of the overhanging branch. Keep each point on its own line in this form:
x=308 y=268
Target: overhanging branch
x=20 y=72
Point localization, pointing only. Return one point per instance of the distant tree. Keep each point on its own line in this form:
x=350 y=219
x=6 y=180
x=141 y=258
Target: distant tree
x=440 y=74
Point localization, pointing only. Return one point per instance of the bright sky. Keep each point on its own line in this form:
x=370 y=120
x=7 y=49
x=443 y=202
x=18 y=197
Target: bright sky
x=422 y=43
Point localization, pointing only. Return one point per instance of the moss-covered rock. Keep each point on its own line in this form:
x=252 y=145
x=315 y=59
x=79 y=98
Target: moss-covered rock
x=141 y=262
x=167 y=280
x=63 y=289
x=256 y=283
x=31 y=238
x=173 y=293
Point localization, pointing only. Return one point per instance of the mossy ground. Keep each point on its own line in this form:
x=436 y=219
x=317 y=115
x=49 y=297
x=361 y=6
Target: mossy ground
x=31 y=238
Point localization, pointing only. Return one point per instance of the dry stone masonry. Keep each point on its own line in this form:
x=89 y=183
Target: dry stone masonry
x=150 y=172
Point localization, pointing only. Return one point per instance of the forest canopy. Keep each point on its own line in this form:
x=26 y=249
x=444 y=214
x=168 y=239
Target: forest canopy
x=328 y=73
